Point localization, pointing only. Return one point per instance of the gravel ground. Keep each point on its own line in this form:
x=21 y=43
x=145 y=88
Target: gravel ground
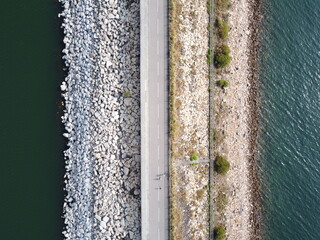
x=232 y=124
x=190 y=181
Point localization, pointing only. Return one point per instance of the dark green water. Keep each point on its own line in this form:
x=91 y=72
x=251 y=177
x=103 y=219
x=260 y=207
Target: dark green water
x=30 y=143
x=290 y=141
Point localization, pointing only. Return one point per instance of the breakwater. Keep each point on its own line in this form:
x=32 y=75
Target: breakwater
x=102 y=117
x=289 y=142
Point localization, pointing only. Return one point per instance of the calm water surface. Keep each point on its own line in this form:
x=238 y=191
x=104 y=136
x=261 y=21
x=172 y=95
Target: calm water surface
x=30 y=144
x=290 y=140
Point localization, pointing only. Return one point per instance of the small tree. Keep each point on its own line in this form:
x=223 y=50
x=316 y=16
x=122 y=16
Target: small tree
x=222 y=83
x=219 y=233
x=221 y=165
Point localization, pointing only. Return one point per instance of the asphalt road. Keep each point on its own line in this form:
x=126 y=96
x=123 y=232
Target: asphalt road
x=155 y=188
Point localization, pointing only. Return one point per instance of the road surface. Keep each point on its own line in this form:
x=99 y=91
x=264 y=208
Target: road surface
x=154 y=120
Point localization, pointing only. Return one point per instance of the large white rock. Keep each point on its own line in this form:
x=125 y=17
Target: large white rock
x=63 y=86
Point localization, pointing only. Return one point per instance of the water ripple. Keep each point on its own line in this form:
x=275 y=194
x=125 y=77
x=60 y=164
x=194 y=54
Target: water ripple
x=289 y=146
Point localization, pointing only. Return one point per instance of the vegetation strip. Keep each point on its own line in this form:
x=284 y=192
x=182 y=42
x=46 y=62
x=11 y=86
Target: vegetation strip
x=189 y=140
x=221 y=59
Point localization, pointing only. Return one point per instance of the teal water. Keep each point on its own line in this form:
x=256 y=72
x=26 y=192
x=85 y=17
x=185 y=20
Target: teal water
x=30 y=144
x=290 y=138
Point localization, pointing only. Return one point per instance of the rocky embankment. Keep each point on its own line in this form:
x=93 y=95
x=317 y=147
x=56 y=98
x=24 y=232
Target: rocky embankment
x=102 y=119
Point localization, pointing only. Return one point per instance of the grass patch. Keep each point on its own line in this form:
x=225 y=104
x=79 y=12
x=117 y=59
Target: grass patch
x=215 y=135
x=224 y=30
x=218 y=136
x=223 y=5
x=200 y=194
x=221 y=201
x=193 y=156
x=219 y=233
x=209 y=55
x=208 y=6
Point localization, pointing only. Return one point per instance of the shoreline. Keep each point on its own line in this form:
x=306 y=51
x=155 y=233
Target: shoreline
x=254 y=101
x=237 y=118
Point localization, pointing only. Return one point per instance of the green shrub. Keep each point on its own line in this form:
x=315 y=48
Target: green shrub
x=221 y=60
x=221 y=56
x=222 y=83
x=224 y=30
x=219 y=233
x=193 y=156
x=221 y=165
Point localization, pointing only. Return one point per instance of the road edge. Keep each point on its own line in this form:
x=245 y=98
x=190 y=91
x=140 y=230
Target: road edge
x=144 y=104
